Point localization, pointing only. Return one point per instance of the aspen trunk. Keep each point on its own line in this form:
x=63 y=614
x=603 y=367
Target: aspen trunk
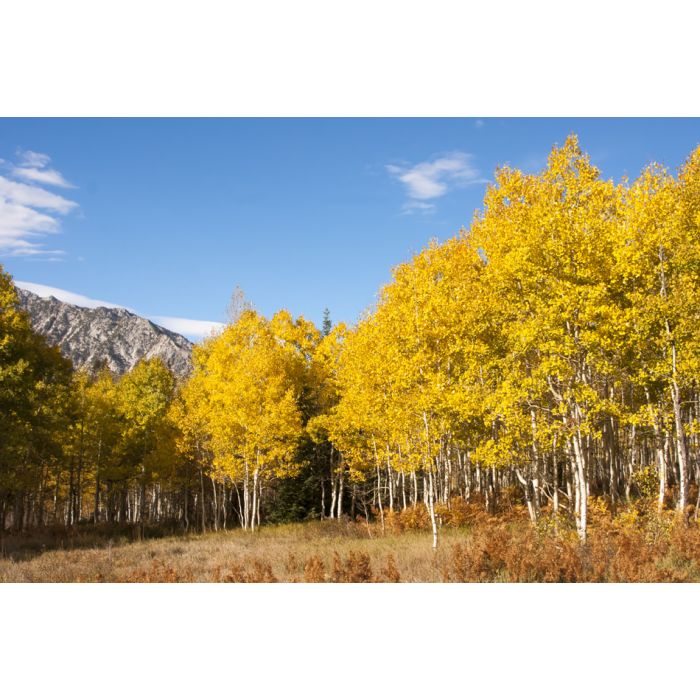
x=555 y=477
x=241 y=507
x=379 y=485
x=581 y=487
x=215 y=504
x=555 y=495
x=431 y=509
x=97 y=482
x=341 y=479
x=246 y=498
x=256 y=511
x=186 y=506
x=224 y=509
x=527 y=490
x=379 y=498
x=323 y=497
x=681 y=449
x=201 y=487
x=661 y=459
x=142 y=503
x=390 y=480
x=334 y=495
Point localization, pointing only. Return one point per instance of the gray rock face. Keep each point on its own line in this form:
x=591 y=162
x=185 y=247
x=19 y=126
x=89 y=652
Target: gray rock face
x=92 y=336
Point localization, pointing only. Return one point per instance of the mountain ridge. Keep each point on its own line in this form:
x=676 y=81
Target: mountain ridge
x=91 y=336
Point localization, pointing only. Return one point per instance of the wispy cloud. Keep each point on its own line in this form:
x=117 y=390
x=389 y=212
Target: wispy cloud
x=187 y=326
x=28 y=213
x=191 y=328
x=46 y=177
x=413 y=205
x=32 y=159
x=33 y=196
x=432 y=179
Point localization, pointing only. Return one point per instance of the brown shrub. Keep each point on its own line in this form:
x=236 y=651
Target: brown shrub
x=159 y=573
x=355 y=569
x=470 y=563
x=506 y=553
x=559 y=562
x=236 y=574
x=390 y=573
x=338 y=573
x=459 y=513
x=393 y=522
x=414 y=518
x=686 y=540
x=314 y=571
x=261 y=573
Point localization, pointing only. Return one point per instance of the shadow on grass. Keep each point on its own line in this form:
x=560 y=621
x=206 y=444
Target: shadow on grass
x=24 y=546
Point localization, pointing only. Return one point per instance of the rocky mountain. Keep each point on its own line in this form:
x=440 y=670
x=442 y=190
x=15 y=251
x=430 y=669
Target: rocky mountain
x=91 y=336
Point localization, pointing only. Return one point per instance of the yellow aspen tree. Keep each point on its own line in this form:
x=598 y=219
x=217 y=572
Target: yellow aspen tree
x=249 y=378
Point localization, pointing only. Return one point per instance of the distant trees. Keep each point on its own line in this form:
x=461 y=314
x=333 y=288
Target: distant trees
x=73 y=446
x=327 y=324
x=551 y=352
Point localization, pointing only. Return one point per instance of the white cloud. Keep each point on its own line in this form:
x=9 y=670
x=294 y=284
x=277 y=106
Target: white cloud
x=32 y=159
x=190 y=328
x=432 y=179
x=413 y=205
x=46 y=177
x=187 y=326
x=20 y=226
x=28 y=212
x=33 y=196
x=17 y=219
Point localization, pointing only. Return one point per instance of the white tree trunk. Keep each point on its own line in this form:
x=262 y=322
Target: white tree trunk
x=431 y=509
x=581 y=487
x=341 y=479
x=255 y=511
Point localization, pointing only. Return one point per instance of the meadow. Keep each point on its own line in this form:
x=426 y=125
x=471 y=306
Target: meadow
x=634 y=545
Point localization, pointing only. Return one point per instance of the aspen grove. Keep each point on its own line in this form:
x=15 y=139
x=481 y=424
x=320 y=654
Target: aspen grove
x=551 y=351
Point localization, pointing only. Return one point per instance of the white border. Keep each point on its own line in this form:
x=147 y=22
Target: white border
x=322 y=58
x=348 y=641
x=368 y=57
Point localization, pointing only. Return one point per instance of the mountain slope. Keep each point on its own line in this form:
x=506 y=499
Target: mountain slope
x=117 y=336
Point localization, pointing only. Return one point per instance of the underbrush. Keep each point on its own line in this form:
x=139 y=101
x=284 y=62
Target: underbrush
x=633 y=544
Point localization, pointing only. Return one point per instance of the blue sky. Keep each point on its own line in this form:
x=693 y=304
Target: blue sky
x=167 y=216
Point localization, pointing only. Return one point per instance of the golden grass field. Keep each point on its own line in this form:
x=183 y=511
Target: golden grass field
x=309 y=552
x=497 y=549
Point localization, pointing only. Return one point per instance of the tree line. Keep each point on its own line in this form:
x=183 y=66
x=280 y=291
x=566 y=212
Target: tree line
x=551 y=349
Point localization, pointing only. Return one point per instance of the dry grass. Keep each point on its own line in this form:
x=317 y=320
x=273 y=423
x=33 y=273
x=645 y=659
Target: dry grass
x=308 y=552
x=635 y=545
